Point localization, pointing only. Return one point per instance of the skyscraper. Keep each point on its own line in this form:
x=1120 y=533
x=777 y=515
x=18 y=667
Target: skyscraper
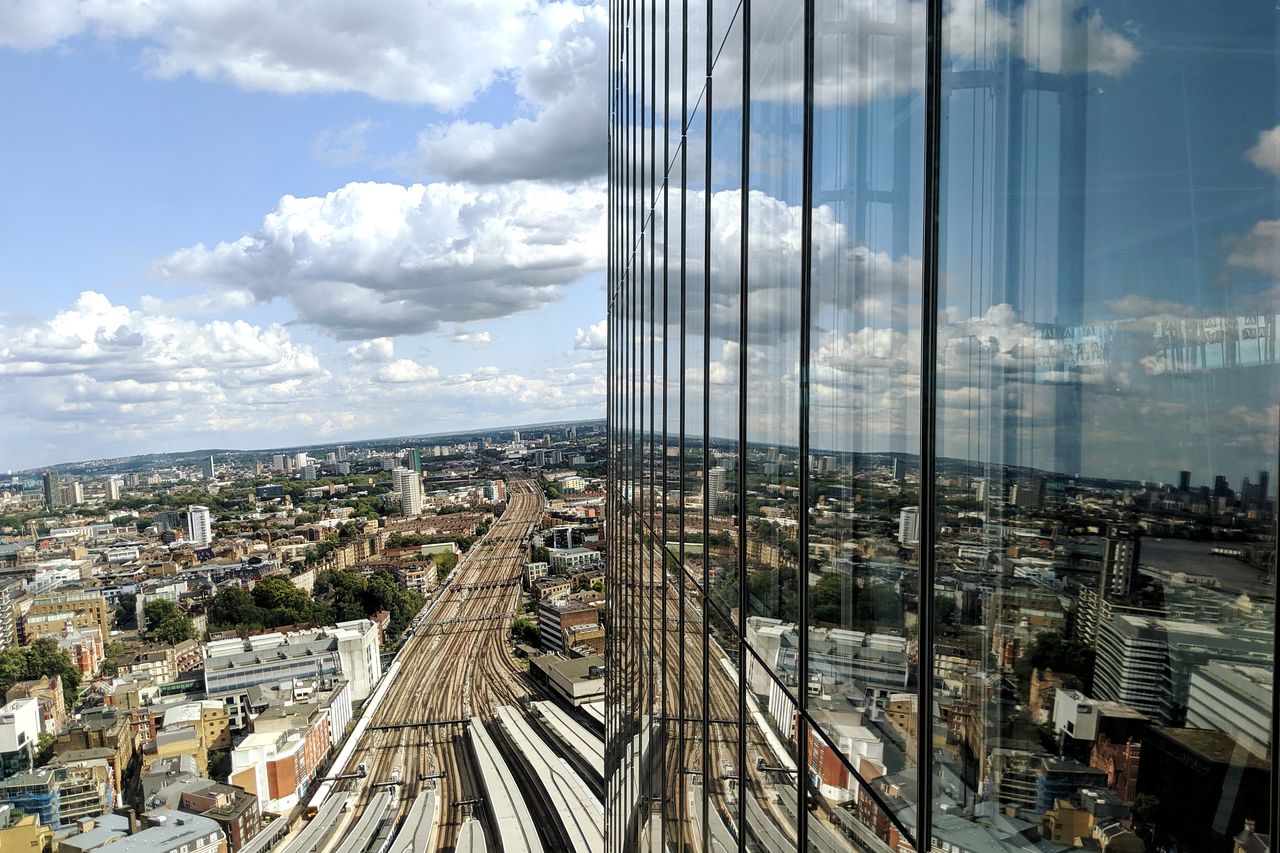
x=409 y=484
x=932 y=231
x=52 y=490
x=199 y=525
x=206 y=468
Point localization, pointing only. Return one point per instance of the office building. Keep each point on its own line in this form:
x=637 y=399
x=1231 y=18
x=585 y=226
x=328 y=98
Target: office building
x=300 y=460
x=277 y=461
x=206 y=468
x=409 y=484
x=1119 y=575
x=52 y=490
x=350 y=649
x=199 y=525
x=844 y=234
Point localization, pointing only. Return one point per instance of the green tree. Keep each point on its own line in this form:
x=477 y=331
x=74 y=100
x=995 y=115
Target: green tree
x=174 y=630
x=276 y=592
x=1051 y=650
x=126 y=615
x=524 y=630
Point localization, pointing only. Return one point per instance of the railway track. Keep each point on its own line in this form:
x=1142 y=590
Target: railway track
x=461 y=670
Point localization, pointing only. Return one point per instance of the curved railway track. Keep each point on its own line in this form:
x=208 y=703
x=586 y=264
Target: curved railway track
x=456 y=665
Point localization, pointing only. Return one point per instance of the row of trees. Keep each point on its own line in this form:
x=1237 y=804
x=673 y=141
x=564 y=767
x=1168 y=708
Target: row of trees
x=43 y=658
x=338 y=596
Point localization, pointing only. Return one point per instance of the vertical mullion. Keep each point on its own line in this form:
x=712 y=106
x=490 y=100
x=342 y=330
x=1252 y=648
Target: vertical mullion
x=745 y=136
x=706 y=432
x=682 y=807
x=806 y=319
x=929 y=305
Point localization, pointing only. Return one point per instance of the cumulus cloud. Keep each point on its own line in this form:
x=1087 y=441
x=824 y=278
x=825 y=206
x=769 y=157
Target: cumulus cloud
x=562 y=135
x=1259 y=250
x=406 y=370
x=594 y=338
x=377 y=259
x=478 y=340
x=1265 y=153
x=113 y=342
x=440 y=53
x=378 y=350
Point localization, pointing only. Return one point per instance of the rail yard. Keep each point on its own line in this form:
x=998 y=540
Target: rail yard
x=416 y=772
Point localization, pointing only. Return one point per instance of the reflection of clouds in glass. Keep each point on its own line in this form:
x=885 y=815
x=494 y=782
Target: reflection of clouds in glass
x=1265 y=154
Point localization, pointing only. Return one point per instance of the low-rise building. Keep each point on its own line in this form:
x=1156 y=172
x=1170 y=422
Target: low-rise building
x=279 y=759
x=232 y=808
x=350 y=649
x=578 y=680
x=570 y=560
x=172 y=831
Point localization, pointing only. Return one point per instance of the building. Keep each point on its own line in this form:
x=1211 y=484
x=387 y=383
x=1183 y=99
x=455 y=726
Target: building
x=278 y=761
x=206 y=468
x=409 y=484
x=233 y=809
x=19 y=736
x=578 y=681
x=909 y=526
x=50 y=613
x=52 y=490
x=562 y=625
x=172 y=831
x=1234 y=699
x=1119 y=575
x=112 y=488
x=350 y=649
x=566 y=561
x=1148 y=663
x=199 y=525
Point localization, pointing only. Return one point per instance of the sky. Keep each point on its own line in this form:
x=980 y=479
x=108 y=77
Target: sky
x=253 y=223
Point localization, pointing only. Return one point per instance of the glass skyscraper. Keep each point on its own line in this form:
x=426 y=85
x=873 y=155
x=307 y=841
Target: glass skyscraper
x=943 y=397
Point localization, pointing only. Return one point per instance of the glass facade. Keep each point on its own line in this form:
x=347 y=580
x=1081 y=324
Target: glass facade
x=943 y=401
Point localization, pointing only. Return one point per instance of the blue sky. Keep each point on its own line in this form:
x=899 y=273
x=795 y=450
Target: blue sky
x=238 y=225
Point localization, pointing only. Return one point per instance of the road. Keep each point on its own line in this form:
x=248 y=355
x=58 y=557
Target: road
x=456 y=665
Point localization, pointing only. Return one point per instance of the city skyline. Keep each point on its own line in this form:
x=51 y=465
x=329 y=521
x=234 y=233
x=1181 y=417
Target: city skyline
x=367 y=238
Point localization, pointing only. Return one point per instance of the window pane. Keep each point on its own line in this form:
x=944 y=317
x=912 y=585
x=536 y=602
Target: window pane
x=1107 y=421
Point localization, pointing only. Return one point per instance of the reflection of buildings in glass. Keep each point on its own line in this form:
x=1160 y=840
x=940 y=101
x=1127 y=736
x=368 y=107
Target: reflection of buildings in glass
x=1047 y=380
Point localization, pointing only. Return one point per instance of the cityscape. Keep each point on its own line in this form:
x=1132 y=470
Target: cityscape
x=588 y=426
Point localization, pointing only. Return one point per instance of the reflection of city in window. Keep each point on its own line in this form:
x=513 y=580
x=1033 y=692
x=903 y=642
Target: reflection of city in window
x=1050 y=622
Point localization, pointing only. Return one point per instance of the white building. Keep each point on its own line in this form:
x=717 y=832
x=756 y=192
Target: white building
x=113 y=489
x=199 y=525
x=909 y=526
x=19 y=725
x=409 y=485
x=300 y=460
x=715 y=485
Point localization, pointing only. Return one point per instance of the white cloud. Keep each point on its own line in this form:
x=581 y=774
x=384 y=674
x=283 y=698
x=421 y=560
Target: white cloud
x=406 y=370
x=112 y=342
x=441 y=52
x=561 y=85
x=1259 y=250
x=1265 y=153
x=478 y=340
x=594 y=338
x=376 y=259
x=378 y=350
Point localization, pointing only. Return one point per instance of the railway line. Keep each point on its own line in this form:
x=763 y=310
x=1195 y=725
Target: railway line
x=456 y=666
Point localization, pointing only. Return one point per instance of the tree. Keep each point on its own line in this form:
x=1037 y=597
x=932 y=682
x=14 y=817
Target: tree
x=126 y=615
x=275 y=592
x=174 y=630
x=234 y=606
x=1051 y=650
x=524 y=630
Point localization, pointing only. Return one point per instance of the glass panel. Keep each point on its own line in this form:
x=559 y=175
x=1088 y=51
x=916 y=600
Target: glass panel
x=1106 y=600
x=771 y=456
x=863 y=466
x=721 y=480
x=690 y=802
